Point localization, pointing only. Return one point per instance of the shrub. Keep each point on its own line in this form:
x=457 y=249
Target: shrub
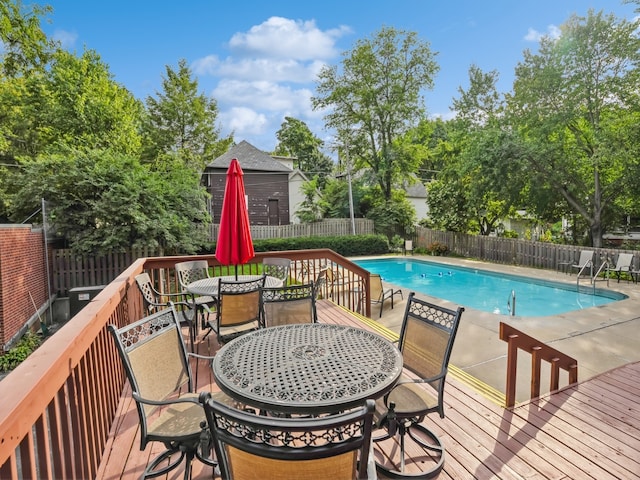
x=347 y=245
x=25 y=346
x=437 y=248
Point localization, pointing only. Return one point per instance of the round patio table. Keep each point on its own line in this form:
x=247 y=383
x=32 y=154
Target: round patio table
x=307 y=368
x=209 y=286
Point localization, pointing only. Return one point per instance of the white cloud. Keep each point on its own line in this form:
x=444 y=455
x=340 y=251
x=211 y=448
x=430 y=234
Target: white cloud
x=67 y=39
x=244 y=121
x=534 y=35
x=284 y=38
x=206 y=66
x=269 y=75
x=263 y=95
x=281 y=70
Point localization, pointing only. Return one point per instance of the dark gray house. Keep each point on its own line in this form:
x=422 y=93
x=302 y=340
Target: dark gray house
x=266 y=184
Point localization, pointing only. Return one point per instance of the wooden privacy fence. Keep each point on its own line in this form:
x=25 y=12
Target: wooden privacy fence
x=325 y=228
x=71 y=271
x=513 y=251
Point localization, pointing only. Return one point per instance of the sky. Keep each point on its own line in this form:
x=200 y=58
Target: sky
x=259 y=59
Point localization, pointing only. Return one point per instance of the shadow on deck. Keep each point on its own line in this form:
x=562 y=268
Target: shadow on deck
x=588 y=430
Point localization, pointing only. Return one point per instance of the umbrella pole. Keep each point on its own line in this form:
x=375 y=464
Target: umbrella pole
x=236 y=272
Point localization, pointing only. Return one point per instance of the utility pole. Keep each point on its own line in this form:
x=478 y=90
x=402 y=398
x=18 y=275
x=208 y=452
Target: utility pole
x=353 y=220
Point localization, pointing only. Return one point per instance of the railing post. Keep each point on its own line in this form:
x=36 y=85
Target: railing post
x=517 y=340
x=554 y=383
x=536 y=362
x=512 y=368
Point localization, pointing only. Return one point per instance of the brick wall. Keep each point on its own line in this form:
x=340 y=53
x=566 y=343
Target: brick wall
x=22 y=272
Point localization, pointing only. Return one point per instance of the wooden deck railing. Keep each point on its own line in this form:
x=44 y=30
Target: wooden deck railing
x=58 y=406
x=539 y=351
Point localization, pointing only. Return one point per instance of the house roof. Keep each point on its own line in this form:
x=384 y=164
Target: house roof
x=250 y=158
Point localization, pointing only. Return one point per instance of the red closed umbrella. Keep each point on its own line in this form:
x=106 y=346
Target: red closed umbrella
x=235 y=246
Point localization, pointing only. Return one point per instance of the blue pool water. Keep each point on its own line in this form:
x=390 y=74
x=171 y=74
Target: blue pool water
x=488 y=291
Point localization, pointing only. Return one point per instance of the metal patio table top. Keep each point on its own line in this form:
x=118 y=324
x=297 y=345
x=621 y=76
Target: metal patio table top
x=307 y=368
x=209 y=286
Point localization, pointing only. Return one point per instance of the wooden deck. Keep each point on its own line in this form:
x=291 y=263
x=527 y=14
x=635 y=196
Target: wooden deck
x=588 y=431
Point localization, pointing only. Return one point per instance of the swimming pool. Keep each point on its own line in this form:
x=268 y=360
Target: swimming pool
x=488 y=291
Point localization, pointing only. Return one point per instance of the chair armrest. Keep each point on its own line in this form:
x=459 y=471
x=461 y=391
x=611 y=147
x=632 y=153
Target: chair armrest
x=201 y=357
x=147 y=401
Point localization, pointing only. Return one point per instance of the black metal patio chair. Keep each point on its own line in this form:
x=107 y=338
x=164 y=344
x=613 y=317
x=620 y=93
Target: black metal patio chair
x=250 y=446
x=426 y=340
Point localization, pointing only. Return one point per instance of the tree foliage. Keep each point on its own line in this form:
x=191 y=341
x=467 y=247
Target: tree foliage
x=77 y=104
x=392 y=216
x=296 y=140
x=182 y=121
x=375 y=99
x=568 y=102
x=25 y=47
x=106 y=201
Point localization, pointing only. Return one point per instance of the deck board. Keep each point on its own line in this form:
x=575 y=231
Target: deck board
x=589 y=430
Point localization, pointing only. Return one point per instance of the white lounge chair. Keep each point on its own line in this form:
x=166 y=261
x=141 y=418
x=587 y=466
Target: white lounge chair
x=624 y=263
x=585 y=261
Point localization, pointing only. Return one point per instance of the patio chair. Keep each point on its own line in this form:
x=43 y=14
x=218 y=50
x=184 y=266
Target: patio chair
x=156 y=363
x=277 y=267
x=426 y=340
x=624 y=263
x=189 y=272
x=255 y=446
x=288 y=305
x=408 y=247
x=155 y=301
x=337 y=284
x=379 y=294
x=321 y=282
x=238 y=310
x=585 y=260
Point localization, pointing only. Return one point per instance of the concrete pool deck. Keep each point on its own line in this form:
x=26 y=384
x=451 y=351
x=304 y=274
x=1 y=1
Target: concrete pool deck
x=599 y=338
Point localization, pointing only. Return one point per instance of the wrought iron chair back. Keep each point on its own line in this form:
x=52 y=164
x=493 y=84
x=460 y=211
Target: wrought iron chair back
x=189 y=272
x=426 y=340
x=155 y=300
x=277 y=267
x=156 y=363
x=288 y=305
x=331 y=446
x=239 y=308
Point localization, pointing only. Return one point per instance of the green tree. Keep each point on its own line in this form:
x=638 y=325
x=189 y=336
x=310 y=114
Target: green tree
x=474 y=191
x=78 y=104
x=310 y=209
x=390 y=216
x=566 y=104
x=181 y=120
x=73 y=104
x=335 y=198
x=25 y=47
x=375 y=99
x=105 y=201
x=449 y=208
x=296 y=140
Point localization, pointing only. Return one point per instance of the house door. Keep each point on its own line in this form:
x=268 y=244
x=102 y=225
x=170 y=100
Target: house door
x=274 y=217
